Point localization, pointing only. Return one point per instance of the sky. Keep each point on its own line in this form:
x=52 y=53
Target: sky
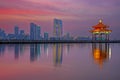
x=78 y=16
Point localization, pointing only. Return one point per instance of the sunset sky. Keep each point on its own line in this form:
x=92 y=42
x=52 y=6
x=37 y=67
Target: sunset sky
x=77 y=15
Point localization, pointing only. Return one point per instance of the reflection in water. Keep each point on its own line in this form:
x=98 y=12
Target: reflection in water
x=67 y=49
x=2 y=49
x=16 y=51
x=61 y=64
x=57 y=54
x=46 y=49
x=101 y=52
x=34 y=52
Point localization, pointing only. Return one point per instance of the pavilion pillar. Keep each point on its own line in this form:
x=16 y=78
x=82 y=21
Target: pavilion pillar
x=108 y=37
x=93 y=37
x=100 y=36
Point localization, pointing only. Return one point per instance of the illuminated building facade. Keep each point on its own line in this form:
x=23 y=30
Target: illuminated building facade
x=58 y=30
x=100 y=31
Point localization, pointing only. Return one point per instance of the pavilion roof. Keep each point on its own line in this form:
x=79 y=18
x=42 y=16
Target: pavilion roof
x=100 y=25
x=101 y=30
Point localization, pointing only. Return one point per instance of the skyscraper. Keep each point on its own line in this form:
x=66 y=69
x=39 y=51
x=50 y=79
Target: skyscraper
x=32 y=31
x=22 y=34
x=2 y=34
x=46 y=36
x=35 y=32
x=58 y=30
x=38 y=32
x=16 y=32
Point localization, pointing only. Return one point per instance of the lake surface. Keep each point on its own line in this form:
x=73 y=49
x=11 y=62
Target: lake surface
x=60 y=61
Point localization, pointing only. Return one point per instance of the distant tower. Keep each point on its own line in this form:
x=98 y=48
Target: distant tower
x=58 y=28
x=32 y=31
x=35 y=32
x=46 y=36
x=16 y=32
x=22 y=34
x=38 y=32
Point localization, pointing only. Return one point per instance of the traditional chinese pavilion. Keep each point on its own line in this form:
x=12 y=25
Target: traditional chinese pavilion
x=100 y=31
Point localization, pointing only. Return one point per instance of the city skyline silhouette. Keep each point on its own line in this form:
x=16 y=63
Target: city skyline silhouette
x=77 y=15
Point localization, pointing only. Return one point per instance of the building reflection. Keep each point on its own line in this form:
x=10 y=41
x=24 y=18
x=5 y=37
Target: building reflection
x=2 y=49
x=22 y=49
x=35 y=51
x=67 y=48
x=101 y=52
x=57 y=54
x=17 y=51
x=46 y=48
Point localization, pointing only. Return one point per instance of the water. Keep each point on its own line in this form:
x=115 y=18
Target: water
x=59 y=62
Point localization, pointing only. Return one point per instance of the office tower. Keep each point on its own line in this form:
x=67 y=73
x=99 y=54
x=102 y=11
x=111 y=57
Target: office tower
x=11 y=36
x=3 y=34
x=16 y=32
x=22 y=34
x=58 y=30
x=46 y=36
x=35 y=32
x=0 y=33
x=32 y=31
x=38 y=32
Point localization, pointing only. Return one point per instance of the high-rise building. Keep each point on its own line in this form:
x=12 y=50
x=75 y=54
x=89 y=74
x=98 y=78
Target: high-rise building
x=38 y=32
x=35 y=32
x=2 y=34
x=32 y=31
x=46 y=36
x=16 y=32
x=58 y=30
x=22 y=34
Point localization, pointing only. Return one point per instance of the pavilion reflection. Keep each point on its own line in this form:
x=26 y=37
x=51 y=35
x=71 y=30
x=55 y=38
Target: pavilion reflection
x=57 y=54
x=101 y=52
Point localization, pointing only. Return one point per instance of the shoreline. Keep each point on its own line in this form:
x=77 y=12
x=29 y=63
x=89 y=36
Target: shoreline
x=54 y=41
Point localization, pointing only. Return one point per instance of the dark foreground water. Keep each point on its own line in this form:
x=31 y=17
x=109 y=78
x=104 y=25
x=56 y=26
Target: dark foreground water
x=60 y=62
